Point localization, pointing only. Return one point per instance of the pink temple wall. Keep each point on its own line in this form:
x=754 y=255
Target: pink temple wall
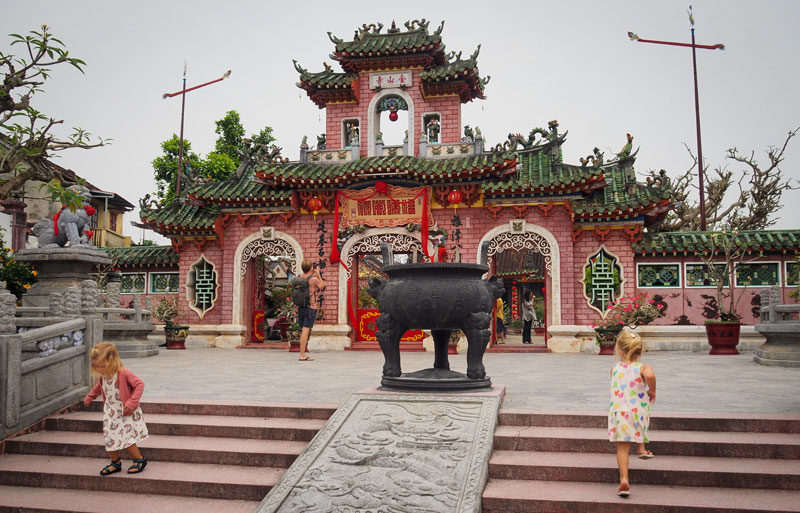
x=449 y=107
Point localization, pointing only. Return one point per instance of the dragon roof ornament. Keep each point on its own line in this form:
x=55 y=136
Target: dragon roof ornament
x=423 y=24
x=335 y=40
x=298 y=67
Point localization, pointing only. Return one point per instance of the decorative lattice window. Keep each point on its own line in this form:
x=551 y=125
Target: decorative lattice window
x=602 y=281
x=163 y=283
x=697 y=275
x=202 y=284
x=133 y=283
x=758 y=274
x=658 y=275
x=793 y=274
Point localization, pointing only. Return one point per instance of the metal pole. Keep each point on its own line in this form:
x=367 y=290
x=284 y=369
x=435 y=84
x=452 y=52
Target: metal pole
x=180 y=144
x=699 y=142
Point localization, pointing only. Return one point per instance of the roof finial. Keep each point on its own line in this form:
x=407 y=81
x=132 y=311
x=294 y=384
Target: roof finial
x=393 y=29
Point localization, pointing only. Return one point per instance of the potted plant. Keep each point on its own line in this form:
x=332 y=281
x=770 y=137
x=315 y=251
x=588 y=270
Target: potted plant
x=288 y=310
x=631 y=311
x=723 y=328
x=176 y=334
x=516 y=326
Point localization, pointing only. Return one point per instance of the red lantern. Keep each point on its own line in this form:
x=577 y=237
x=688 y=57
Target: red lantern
x=315 y=205
x=454 y=198
x=393 y=116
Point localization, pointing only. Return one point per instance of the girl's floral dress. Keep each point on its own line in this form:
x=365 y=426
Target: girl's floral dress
x=120 y=431
x=629 y=411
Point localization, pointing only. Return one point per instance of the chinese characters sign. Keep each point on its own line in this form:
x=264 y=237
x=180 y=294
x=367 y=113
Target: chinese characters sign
x=398 y=207
x=387 y=80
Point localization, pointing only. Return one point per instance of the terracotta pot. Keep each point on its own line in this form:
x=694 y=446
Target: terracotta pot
x=607 y=338
x=176 y=336
x=723 y=337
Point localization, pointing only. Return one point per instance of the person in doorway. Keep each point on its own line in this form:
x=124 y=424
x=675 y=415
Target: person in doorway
x=633 y=390
x=306 y=315
x=528 y=316
x=499 y=317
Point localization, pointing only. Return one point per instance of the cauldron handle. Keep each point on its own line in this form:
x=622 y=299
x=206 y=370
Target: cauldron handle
x=387 y=254
x=485 y=252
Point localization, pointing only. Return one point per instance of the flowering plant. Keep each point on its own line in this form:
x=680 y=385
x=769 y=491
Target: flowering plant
x=630 y=310
x=288 y=309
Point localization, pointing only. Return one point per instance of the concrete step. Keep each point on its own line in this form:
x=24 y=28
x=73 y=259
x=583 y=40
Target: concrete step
x=232 y=409
x=184 y=449
x=23 y=499
x=661 y=470
x=159 y=477
x=676 y=443
x=757 y=423
x=199 y=425
x=515 y=496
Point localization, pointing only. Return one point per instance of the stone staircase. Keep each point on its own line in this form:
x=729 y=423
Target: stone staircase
x=565 y=463
x=202 y=457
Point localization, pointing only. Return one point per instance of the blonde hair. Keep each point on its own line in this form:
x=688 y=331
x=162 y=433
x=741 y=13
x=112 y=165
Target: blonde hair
x=629 y=346
x=106 y=352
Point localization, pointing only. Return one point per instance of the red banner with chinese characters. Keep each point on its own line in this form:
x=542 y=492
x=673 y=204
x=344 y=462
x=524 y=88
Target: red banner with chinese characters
x=367 y=327
x=394 y=206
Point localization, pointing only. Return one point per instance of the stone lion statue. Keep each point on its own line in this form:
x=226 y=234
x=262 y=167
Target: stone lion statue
x=67 y=227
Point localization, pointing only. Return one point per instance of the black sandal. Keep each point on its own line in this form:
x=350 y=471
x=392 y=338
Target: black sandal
x=138 y=466
x=112 y=468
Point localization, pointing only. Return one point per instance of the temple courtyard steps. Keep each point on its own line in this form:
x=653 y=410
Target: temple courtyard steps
x=564 y=462
x=202 y=457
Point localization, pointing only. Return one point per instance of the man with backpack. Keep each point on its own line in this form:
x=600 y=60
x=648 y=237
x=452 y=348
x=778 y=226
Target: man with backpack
x=305 y=294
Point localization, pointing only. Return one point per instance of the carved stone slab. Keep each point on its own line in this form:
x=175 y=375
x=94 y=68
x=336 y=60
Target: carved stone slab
x=389 y=452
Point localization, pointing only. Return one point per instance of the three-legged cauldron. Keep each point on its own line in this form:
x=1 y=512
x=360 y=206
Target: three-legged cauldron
x=440 y=297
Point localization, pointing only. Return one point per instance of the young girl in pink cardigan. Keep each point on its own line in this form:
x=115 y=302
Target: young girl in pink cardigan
x=123 y=424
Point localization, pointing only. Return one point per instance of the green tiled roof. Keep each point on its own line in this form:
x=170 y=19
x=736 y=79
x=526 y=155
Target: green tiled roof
x=450 y=73
x=691 y=242
x=425 y=170
x=368 y=42
x=328 y=79
x=181 y=218
x=143 y=256
x=241 y=190
x=539 y=175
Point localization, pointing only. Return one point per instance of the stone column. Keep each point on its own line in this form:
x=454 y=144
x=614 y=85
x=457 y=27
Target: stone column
x=112 y=289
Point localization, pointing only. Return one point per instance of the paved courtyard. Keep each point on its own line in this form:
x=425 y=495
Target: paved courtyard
x=687 y=382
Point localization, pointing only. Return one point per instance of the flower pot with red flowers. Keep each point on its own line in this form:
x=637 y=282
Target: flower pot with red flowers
x=628 y=311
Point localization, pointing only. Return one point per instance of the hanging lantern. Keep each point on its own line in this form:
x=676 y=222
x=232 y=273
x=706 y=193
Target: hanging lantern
x=454 y=198
x=315 y=205
x=393 y=116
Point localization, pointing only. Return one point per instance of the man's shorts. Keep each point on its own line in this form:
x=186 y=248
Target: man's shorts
x=306 y=317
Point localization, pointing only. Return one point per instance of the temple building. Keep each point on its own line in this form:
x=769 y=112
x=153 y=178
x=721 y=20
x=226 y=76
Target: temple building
x=577 y=234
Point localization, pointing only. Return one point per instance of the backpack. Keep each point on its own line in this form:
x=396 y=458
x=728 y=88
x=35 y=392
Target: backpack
x=300 y=294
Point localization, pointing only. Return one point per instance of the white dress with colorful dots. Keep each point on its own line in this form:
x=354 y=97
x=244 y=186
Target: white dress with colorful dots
x=120 y=431
x=629 y=411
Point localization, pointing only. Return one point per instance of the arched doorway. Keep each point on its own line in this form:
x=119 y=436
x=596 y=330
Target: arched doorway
x=361 y=258
x=259 y=258
x=521 y=237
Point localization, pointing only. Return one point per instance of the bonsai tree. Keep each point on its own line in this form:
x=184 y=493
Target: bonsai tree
x=166 y=311
x=726 y=245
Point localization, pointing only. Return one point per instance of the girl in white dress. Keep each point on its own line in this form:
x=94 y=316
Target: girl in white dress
x=123 y=424
x=633 y=390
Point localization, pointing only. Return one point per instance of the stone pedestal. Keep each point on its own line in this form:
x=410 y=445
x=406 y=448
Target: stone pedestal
x=58 y=269
x=782 y=348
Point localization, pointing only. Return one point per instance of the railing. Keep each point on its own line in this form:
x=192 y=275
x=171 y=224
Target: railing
x=44 y=369
x=335 y=156
x=106 y=238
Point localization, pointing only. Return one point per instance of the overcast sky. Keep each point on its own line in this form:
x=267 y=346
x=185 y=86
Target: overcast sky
x=565 y=60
